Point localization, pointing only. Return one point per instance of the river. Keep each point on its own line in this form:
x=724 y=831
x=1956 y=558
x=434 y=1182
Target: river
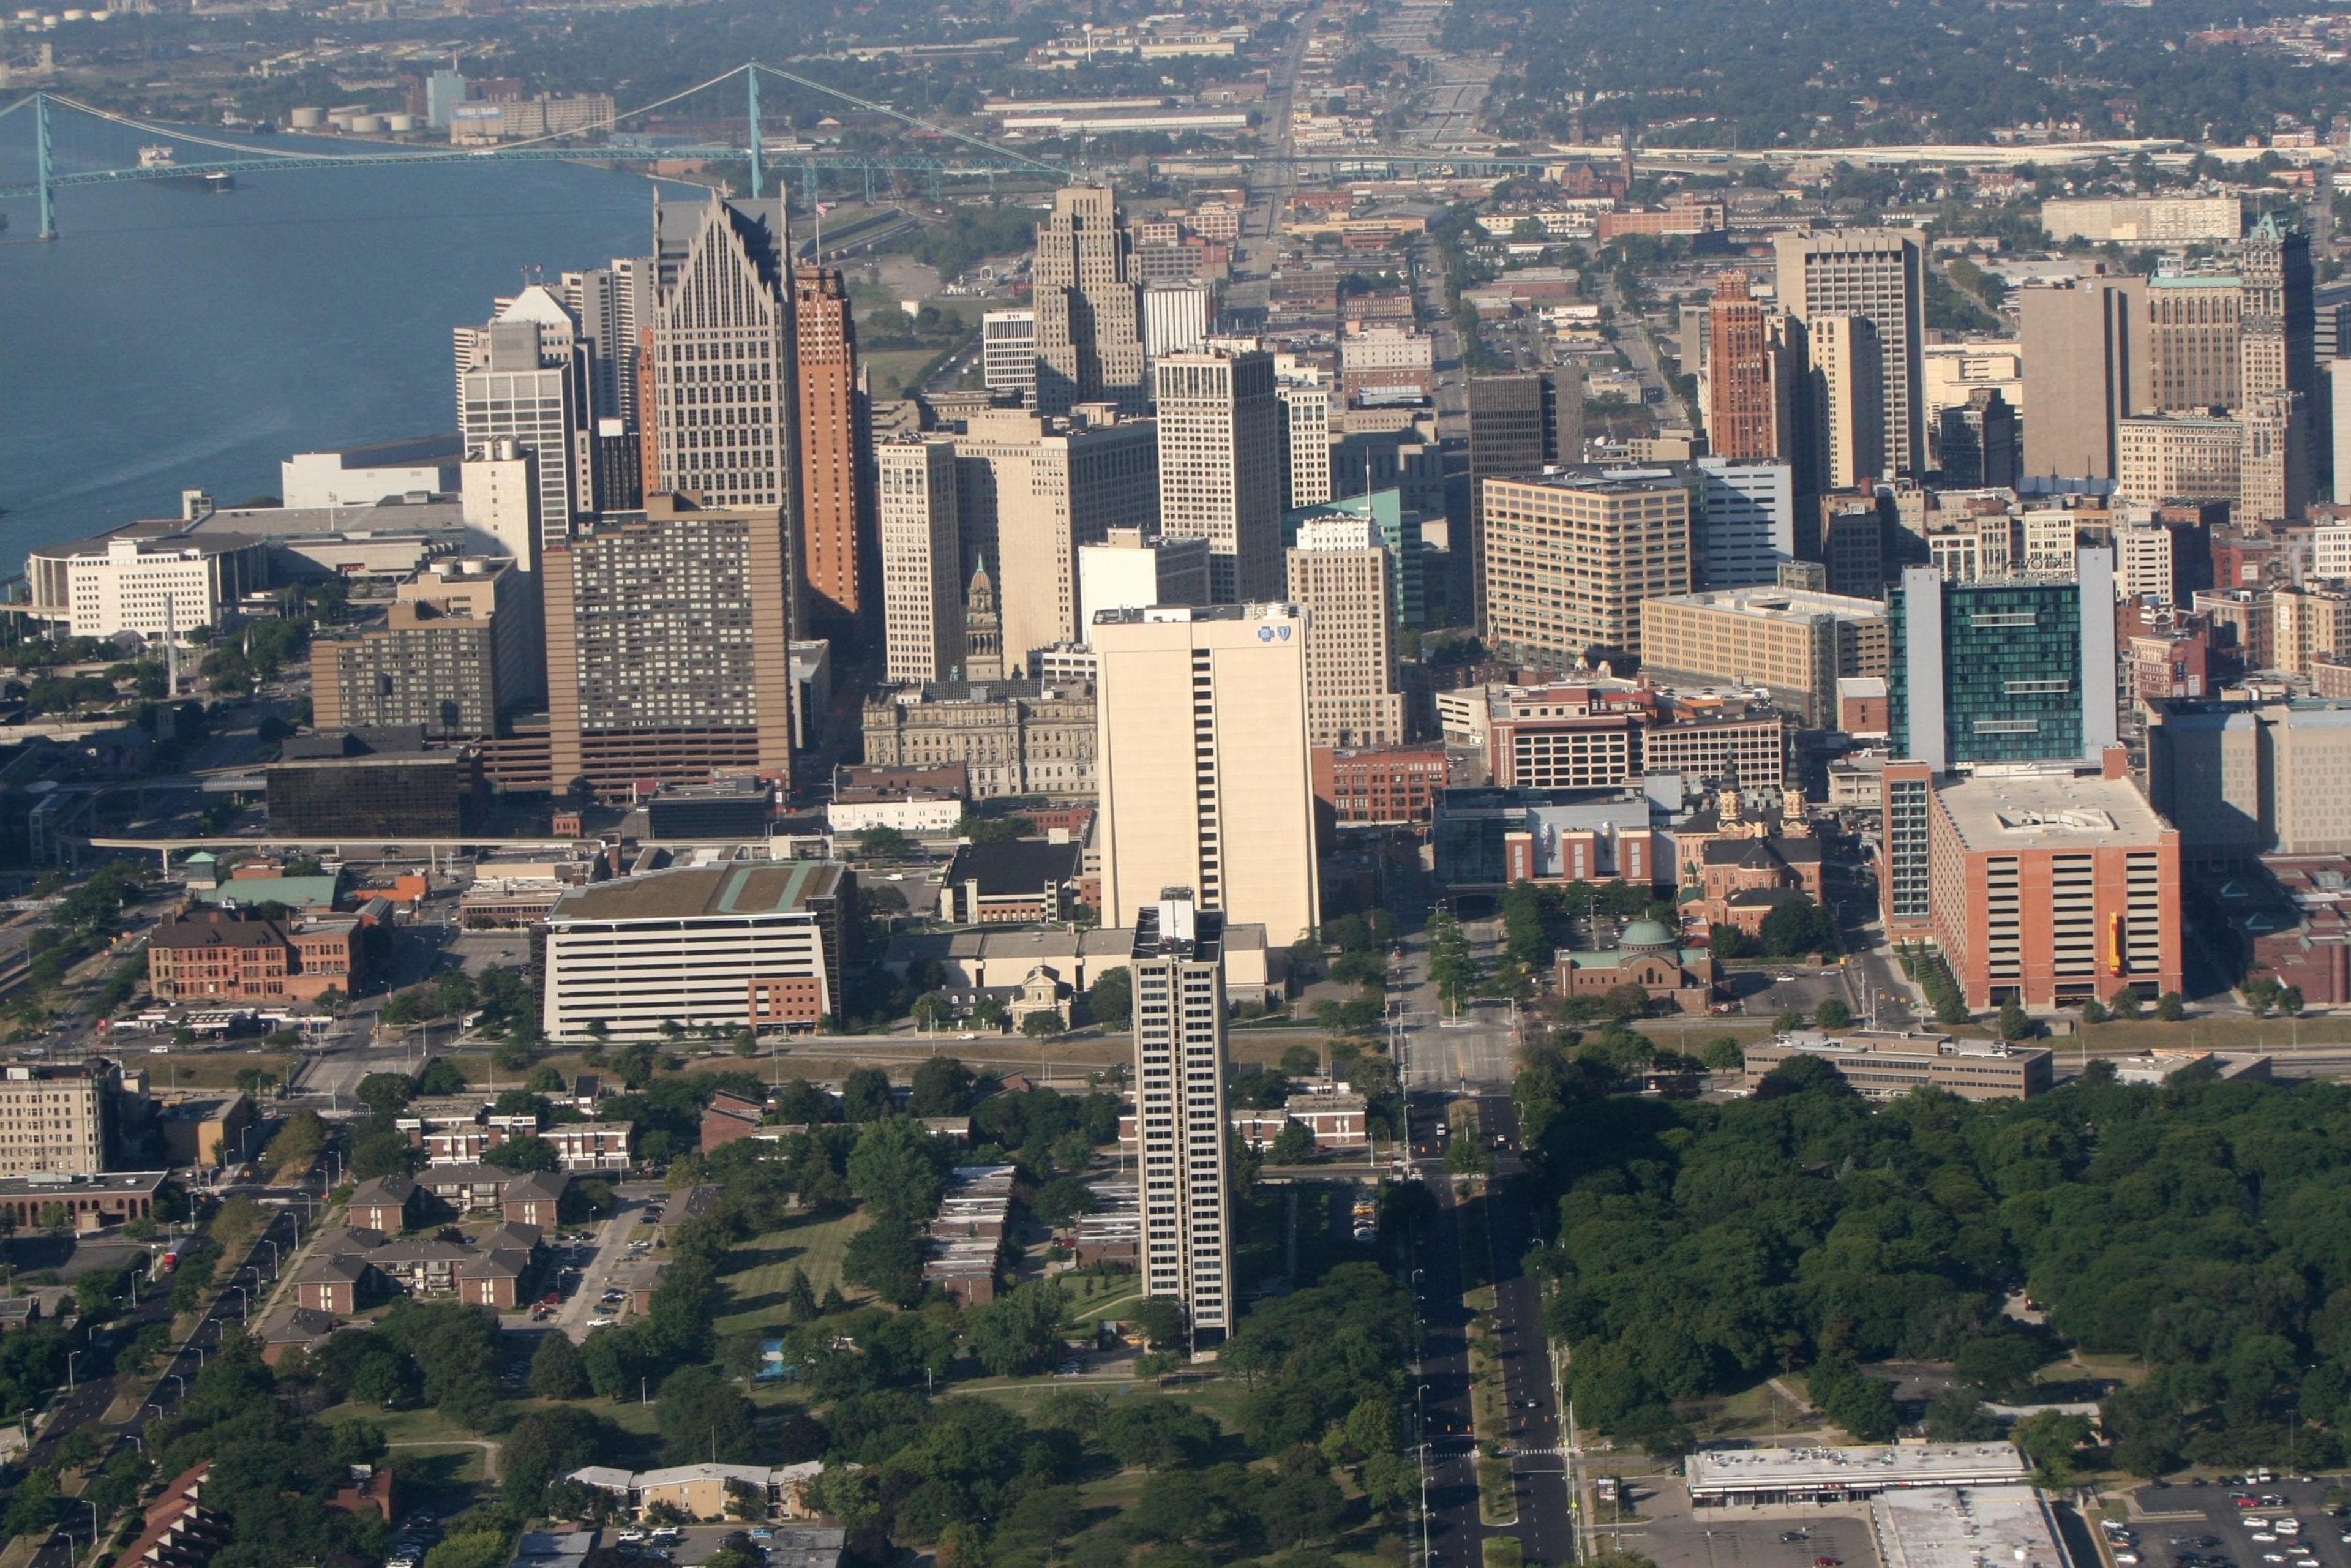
x=176 y=339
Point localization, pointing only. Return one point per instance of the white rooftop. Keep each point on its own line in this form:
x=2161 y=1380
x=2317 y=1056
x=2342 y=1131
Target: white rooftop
x=1719 y=1472
x=1965 y=1527
x=2052 y=809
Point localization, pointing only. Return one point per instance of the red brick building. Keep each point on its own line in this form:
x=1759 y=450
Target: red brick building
x=1385 y=786
x=2044 y=887
x=217 y=955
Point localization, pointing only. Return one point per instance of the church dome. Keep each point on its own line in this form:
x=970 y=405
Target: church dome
x=1647 y=936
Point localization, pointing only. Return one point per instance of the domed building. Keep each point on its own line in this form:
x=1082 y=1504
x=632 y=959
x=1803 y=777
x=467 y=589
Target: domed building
x=1648 y=954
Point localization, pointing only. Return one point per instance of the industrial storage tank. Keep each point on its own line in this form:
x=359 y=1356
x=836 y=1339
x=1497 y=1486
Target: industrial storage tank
x=305 y=118
x=397 y=124
x=367 y=125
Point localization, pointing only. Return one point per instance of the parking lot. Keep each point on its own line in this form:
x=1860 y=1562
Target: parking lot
x=2198 y=1524
x=1670 y=1531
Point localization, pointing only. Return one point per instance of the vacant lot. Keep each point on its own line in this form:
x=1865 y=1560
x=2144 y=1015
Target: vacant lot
x=760 y=1269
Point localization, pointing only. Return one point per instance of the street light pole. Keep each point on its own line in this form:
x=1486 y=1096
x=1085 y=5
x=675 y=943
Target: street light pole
x=70 y=1356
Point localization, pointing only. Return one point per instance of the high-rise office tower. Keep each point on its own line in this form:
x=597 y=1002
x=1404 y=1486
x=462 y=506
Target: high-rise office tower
x=1976 y=443
x=1176 y=317
x=1088 y=307
x=838 y=565
x=2086 y=369
x=1007 y=352
x=2194 y=340
x=613 y=305
x=1743 y=403
x=667 y=646
x=1848 y=401
x=1035 y=489
x=1879 y=277
x=1176 y=965
x=2337 y=392
x=1341 y=571
x=1571 y=556
x=1746 y=523
x=1306 y=442
x=1202 y=763
x=499 y=492
x=2279 y=326
x=2007 y=670
x=921 y=560
x=2273 y=458
x=527 y=384
x=1220 y=469
x=722 y=386
x=1518 y=426
x=1133 y=570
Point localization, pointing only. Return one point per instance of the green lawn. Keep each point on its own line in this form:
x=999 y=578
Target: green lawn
x=892 y=368
x=759 y=1271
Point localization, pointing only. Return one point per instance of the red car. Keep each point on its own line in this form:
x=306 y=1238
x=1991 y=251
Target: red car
x=2242 y=1500
x=1828 y=1562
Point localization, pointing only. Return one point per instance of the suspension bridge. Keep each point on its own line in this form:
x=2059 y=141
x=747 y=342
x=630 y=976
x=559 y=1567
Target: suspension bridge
x=971 y=158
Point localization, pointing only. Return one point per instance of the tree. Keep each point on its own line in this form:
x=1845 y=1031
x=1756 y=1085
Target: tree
x=1723 y=1053
x=886 y=1256
x=1796 y=926
x=865 y=1094
x=1159 y=1319
x=2125 y=1005
x=1468 y=1156
x=528 y=1152
x=297 y=1144
x=1832 y=1014
x=2052 y=1441
x=557 y=1371
x=476 y=1549
x=1629 y=999
x=884 y=843
x=2170 y=1007
x=1293 y=1143
x=2014 y=1023
x=897 y=1169
x=1728 y=942
x=1037 y=1026
x=439 y=1076
x=942 y=1087
x=1018 y=1334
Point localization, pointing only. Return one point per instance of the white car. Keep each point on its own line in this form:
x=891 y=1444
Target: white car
x=605 y=1323
x=2265 y=1537
x=2288 y=1527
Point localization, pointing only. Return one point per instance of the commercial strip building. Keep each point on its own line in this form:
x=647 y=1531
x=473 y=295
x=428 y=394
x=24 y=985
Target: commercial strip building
x=1882 y=1064
x=1753 y=1476
x=1962 y=1526
x=1795 y=643
x=2041 y=886
x=756 y=944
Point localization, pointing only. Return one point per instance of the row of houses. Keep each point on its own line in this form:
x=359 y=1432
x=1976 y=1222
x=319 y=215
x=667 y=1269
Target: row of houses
x=705 y=1490
x=391 y=1204
x=966 y=1241
x=460 y=1130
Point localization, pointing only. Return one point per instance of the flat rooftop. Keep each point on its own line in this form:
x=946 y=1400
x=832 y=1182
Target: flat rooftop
x=1721 y=1472
x=701 y=892
x=2048 y=810
x=1966 y=1527
x=1767 y=602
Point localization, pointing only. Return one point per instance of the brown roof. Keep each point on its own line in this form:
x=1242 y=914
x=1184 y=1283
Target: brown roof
x=218 y=930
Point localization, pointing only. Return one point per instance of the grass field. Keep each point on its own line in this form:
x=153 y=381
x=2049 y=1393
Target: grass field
x=760 y=1269
x=187 y=1068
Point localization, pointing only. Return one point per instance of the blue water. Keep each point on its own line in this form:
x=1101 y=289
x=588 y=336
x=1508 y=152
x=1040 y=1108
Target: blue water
x=173 y=338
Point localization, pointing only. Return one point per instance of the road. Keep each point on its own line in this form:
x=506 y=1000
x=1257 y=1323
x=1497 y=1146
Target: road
x=1546 y=1522
x=1481 y=1046
x=1272 y=179
x=1633 y=341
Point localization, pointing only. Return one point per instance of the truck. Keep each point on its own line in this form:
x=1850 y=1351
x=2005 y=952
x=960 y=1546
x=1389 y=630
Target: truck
x=167 y=1260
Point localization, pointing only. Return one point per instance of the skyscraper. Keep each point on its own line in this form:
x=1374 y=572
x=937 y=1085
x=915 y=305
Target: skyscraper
x=1202 y=762
x=1220 y=469
x=667 y=646
x=1134 y=570
x=722 y=386
x=2086 y=369
x=1976 y=443
x=1088 y=307
x=1746 y=523
x=1518 y=426
x=1742 y=416
x=2004 y=670
x=1879 y=277
x=2194 y=340
x=1571 y=556
x=613 y=304
x=1035 y=489
x=1007 y=352
x=1848 y=401
x=1176 y=965
x=1341 y=571
x=527 y=384
x=921 y=560
x=1306 y=442
x=2279 y=326
x=838 y=562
